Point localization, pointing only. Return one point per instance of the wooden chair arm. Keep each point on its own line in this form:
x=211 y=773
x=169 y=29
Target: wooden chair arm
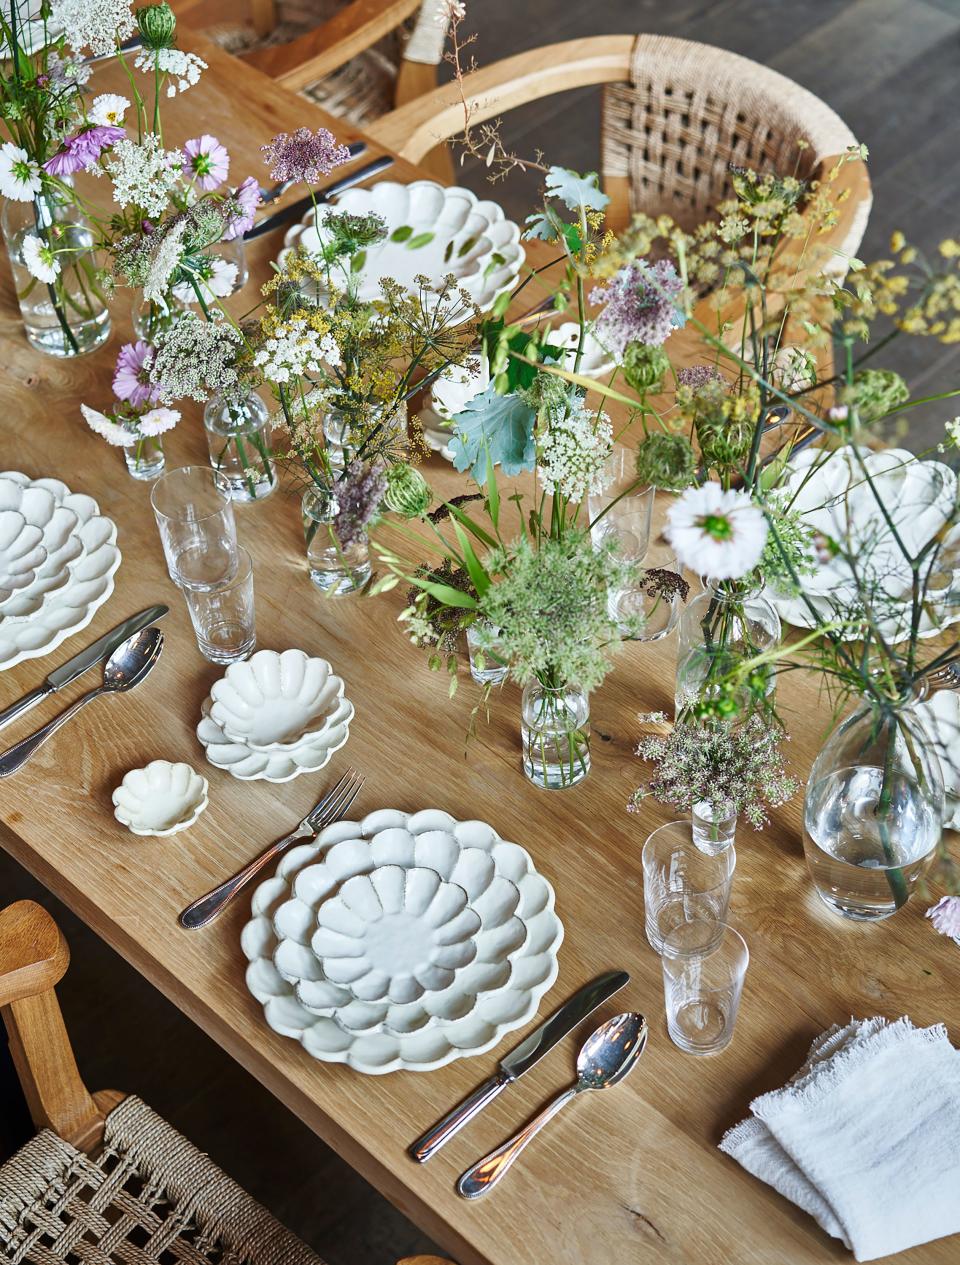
x=33 y=953
x=328 y=47
x=415 y=128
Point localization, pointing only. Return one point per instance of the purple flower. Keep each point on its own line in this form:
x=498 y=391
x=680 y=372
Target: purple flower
x=206 y=160
x=697 y=377
x=246 y=199
x=945 y=916
x=83 y=149
x=638 y=306
x=131 y=378
x=304 y=155
x=358 y=494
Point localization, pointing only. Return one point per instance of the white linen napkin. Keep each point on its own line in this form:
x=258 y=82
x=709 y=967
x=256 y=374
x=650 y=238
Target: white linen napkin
x=865 y=1137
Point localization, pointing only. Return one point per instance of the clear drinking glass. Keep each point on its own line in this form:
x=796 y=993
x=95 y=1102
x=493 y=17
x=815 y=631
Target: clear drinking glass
x=623 y=509
x=222 y=613
x=194 y=515
x=704 y=963
x=682 y=883
x=654 y=602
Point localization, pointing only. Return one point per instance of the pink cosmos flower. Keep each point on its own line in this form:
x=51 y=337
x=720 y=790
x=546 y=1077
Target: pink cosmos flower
x=945 y=916
x=206 y=160
x=82 y=150
x=247 y=198
x=131 y=378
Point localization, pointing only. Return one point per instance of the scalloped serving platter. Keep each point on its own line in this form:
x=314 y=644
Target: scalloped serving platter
x=496 y=992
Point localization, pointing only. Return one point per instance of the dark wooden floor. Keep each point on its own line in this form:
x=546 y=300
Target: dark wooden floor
x=891 y=68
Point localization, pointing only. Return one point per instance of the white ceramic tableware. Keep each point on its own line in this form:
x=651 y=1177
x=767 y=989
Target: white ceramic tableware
x=941 y=716
x=247 y=765
x=160 y=799
x=500 y=990
x=21 y=553
x=272 y=702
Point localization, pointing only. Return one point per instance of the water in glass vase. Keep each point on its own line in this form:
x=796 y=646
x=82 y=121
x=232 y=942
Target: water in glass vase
x=67 y=317
x=555 y=732
x=865 y=861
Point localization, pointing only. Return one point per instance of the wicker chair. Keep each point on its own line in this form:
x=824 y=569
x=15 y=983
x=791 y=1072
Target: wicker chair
x=676 y=115
x=106 y=1181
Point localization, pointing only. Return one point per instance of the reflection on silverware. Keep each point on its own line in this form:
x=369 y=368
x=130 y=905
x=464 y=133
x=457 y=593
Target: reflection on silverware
x=605 y=1059
x=333 y=806
x=295 y=209
x=125 y=669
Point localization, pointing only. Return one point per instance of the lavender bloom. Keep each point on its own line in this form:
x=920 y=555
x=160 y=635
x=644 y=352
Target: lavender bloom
x=945 y=916
x=304 y=155
x=246 y=198
x=697 y=377
x=358 y=494
x=82 y=150
x=131 y=378
x=638 y=306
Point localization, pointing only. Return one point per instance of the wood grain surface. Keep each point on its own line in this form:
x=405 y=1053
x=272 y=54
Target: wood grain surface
x=627 y=1176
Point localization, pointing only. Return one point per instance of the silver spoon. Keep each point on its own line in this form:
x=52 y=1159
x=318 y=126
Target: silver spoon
x=126 y=667
x=607 y=1056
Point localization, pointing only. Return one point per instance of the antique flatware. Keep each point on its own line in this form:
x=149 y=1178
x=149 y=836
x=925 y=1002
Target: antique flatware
x=607 y=1056
x=96 y=653
x=127 y=666
x=330 y=808
x=513 y=1065
x=271 y=194
x=288 y=213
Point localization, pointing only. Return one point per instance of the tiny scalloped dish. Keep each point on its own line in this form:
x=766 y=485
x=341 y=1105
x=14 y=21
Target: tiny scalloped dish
x=160 y=799
x=273 y=702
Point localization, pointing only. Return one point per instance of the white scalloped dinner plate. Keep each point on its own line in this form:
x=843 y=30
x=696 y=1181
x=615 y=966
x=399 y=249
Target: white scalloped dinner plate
x=76 y=578
x=518 y=973
x=432 y=230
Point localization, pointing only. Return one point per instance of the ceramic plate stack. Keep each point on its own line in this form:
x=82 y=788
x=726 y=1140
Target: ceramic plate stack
x=275 y=716
x=58 y=557
x=432 y=231
x=402 y=941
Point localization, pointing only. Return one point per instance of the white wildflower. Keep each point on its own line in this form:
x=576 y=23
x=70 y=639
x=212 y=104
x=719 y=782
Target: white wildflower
x=953 y=433
x=183 y=68
x=716 y=533
x=158 y=420
x=108 y=109
x=19 y=174
x=294 y=351
x=112 y=432
x=144 y=174
x=573 y=453
x=93 y=24
x=40 y=259
x=165 y=262
x=217 y=277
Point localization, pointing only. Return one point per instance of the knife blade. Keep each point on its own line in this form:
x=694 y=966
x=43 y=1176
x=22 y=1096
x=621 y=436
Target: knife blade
x=295 y=209
x=520 y=1060
x=101 y=650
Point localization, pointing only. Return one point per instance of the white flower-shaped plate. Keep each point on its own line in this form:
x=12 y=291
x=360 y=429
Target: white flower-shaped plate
x=76 y=578
x=432 y=231
x=836 y=500
x=395 y=933
x=498 y=992
x=941 y=716
x=247 y=765
x=160 y=799
x=274 y=701
x=22 y=553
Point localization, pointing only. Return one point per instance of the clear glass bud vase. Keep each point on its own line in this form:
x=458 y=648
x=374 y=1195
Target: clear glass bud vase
x=344 y=429
x=144 y=458
x=336 y=567
x=67 y=315
x=238 y=436
x=555 y=729
x=729 y=622
x=873 y=811
x=714 y=826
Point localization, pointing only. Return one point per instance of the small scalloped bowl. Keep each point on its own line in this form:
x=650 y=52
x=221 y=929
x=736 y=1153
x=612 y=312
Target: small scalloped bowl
x=272 y=702
x=160 y=799
x=395 y=933
x=21 y=552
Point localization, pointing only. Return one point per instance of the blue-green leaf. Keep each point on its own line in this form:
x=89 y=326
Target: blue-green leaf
x=576 y=191
x=500 y=426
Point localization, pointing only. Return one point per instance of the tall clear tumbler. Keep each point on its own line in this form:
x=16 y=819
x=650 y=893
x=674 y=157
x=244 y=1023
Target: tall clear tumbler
x=195 y=519
x=682 y=883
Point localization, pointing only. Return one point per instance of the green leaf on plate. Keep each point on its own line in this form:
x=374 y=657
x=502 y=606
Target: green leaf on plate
x=402 y=233
x=421 y=239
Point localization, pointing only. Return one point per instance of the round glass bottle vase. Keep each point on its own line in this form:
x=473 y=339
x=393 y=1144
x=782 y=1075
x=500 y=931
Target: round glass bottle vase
x=729 y=622
x=67 y=315
x=555 y=730
x=336 y=567
x=344 y=429
x=873 y=811
x=239 y=439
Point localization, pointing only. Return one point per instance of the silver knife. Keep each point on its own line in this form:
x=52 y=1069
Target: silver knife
x=297 y=208
x=80 y=663
x=520 y=1060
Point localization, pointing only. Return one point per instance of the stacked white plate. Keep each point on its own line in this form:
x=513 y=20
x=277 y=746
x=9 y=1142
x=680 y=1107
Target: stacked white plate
x=58 y=557
x=402 y=941
x=274 y=716
x=432 y=231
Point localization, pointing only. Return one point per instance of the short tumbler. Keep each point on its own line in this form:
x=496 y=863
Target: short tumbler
x=704 y=964
x=194 y=515
x=682 y=883
x=222 y=613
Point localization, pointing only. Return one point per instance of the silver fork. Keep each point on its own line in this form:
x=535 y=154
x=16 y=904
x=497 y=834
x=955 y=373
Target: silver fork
x=334 y=805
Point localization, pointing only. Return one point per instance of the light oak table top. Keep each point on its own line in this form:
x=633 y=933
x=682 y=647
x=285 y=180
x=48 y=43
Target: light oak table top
x=629 y=1176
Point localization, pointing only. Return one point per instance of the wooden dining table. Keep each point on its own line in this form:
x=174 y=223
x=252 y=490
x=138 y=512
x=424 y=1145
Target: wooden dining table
x=624 y=1177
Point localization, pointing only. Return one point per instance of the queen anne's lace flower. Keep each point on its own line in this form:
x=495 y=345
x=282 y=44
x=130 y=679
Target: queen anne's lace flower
x=144 y=174
x=40 y=259
x=639 y=305
x=19 y=174
x=93 y=24
x=304 y=155
x=164 y=262
x=183 y=69
x=573 y=453
x=716 y=533
x=295 y=350
x=196 y=358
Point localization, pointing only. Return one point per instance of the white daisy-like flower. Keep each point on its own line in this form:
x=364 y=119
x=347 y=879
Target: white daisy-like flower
x=573 y=453
x=108 y=109
x=716 y=533
x=39 y=259
x=111 y=431
x=144 y=174
x=183 y=68
x=94 y=24
x=19 y=174
x=158 y=420
x=220 y=281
